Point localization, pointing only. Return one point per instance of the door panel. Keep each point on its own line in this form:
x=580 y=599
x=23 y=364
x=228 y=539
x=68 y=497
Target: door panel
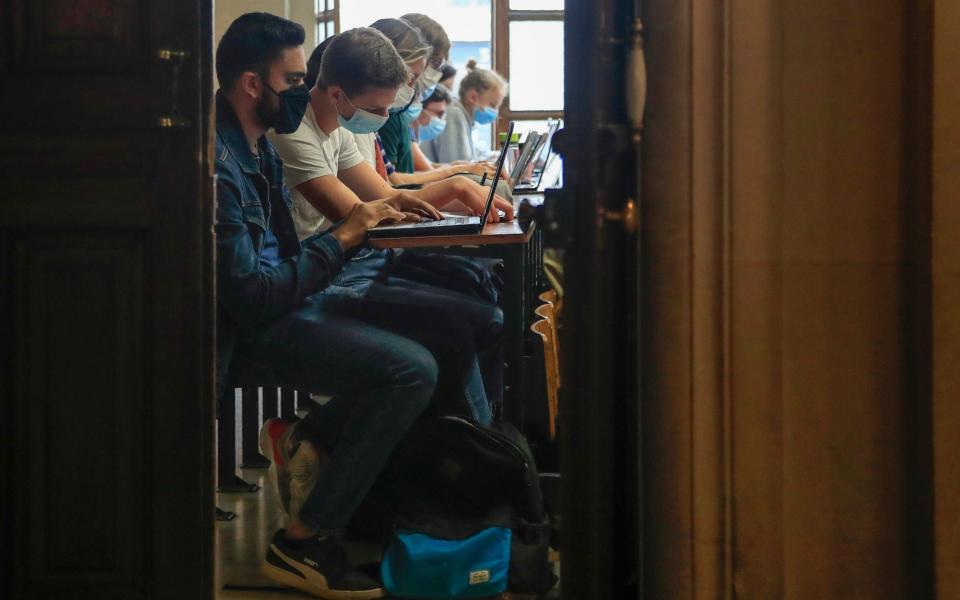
x=106 y=332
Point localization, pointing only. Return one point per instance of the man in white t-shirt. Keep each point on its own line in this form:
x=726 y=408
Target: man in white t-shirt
x=446 y=304
x=310 y=153
x=360 y=76
x=322 y=162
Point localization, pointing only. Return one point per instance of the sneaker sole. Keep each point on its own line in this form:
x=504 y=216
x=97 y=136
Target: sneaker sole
x=300 y=583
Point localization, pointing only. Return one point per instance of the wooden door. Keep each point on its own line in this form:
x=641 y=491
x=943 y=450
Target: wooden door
x=599 y=412
x=106 y=300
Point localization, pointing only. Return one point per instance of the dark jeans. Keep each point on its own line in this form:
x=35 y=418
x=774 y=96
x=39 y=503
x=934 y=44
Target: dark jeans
x=383 y=347
x=388 y=380
x=432 y=287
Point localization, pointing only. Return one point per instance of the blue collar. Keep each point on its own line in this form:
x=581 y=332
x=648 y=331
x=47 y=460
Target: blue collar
x=230 y=132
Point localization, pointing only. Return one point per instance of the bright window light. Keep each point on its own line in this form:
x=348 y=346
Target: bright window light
x=536 y=65
x=536 y=4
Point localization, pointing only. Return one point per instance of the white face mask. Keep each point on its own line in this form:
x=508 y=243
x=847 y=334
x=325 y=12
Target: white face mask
x=404 y=96
x=429 y=77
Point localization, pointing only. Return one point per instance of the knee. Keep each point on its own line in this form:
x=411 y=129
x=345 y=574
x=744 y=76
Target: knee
x=496 y=319
x=493 y=329
x=418 y=373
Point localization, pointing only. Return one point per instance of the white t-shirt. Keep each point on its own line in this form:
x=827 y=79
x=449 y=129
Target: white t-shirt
x=367 y=145
x=309 y=153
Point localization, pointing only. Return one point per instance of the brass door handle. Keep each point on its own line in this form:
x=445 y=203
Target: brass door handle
x=172 y=123
x=173 y=119
x=629 y=216
x=168 y=55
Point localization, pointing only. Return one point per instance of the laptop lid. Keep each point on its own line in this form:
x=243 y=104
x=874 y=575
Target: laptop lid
x=496 y=179
x=552 y=172
x=532 y=144
x=541 y=157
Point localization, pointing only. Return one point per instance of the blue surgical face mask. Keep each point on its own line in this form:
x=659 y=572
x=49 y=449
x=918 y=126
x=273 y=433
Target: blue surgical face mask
x=432 y=129
x=485 y=115
x=410 y=115
x=428 y=92
x=362 y=121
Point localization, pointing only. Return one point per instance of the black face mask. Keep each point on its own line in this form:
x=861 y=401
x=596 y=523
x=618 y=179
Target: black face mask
x=293 y=105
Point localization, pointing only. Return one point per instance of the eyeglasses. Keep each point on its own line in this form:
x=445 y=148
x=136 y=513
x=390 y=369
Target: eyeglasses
x=440 y=115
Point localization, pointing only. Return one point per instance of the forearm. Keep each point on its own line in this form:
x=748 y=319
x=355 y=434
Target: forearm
x=420 y=162
x=254 y=295
x=330 y=196
x=363 y=183
x=421 y=177
x=437 y=196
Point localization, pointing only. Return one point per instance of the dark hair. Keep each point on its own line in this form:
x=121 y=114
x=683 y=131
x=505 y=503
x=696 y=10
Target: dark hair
x=313 y=63
x=360 y=59
x=251 y=43
x=440 y=94
x=432 y=32
x=447 y=71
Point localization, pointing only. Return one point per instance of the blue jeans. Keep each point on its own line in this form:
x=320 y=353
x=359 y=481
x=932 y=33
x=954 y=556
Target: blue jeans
x=385 y=348
x=442 y=306
x=454 y=289
x=387 y=379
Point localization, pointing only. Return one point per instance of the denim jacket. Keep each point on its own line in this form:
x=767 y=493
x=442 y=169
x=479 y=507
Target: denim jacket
x=248 y=293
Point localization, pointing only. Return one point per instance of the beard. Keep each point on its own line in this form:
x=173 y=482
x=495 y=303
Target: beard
x=268 y=115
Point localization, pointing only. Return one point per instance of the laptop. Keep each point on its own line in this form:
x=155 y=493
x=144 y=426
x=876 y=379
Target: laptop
x=541 y=157
x=450 y=225
x=529 y=147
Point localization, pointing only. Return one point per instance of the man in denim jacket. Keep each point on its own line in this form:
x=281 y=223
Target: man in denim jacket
x=284 y=322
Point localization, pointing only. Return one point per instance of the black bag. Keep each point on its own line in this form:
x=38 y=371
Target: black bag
x=479 y=278
x=451 y=470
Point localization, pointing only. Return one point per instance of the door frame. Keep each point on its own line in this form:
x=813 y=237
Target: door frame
x=600 y=422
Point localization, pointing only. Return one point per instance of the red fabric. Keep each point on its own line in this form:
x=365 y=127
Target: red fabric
x=275 y=429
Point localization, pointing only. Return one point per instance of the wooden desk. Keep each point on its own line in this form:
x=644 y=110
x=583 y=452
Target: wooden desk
x=511 y=243
x=493 y=234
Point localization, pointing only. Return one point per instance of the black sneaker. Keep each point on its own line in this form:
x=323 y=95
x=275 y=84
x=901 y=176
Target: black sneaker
x=318 y=567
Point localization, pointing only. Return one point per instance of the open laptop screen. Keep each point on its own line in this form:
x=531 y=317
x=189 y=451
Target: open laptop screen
x=496 y=178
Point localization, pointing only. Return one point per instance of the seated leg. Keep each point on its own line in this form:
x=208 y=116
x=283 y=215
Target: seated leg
x=386 y=381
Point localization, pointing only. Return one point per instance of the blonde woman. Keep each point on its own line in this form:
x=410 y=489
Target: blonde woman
x=481 y=93
x=394 y=139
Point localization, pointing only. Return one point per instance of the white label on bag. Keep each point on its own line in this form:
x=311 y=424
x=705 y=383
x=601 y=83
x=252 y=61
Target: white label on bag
x=478 y=577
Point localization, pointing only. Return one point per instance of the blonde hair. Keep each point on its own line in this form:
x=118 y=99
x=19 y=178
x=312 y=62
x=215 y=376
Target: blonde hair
x=481 y=80
x=432 y=32
x=406 y=38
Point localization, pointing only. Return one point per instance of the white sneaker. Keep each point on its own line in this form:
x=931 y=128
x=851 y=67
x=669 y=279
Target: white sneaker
x=294 y=465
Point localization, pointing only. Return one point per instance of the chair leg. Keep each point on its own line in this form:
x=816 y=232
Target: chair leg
x=227 y=479
x=288 y=407
x=250 y=431
x=271 y=401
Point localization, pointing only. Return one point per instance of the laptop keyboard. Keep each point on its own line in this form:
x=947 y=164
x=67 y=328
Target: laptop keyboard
x=446 y=221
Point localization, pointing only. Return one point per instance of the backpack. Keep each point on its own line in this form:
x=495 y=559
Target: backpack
x=467 y=497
